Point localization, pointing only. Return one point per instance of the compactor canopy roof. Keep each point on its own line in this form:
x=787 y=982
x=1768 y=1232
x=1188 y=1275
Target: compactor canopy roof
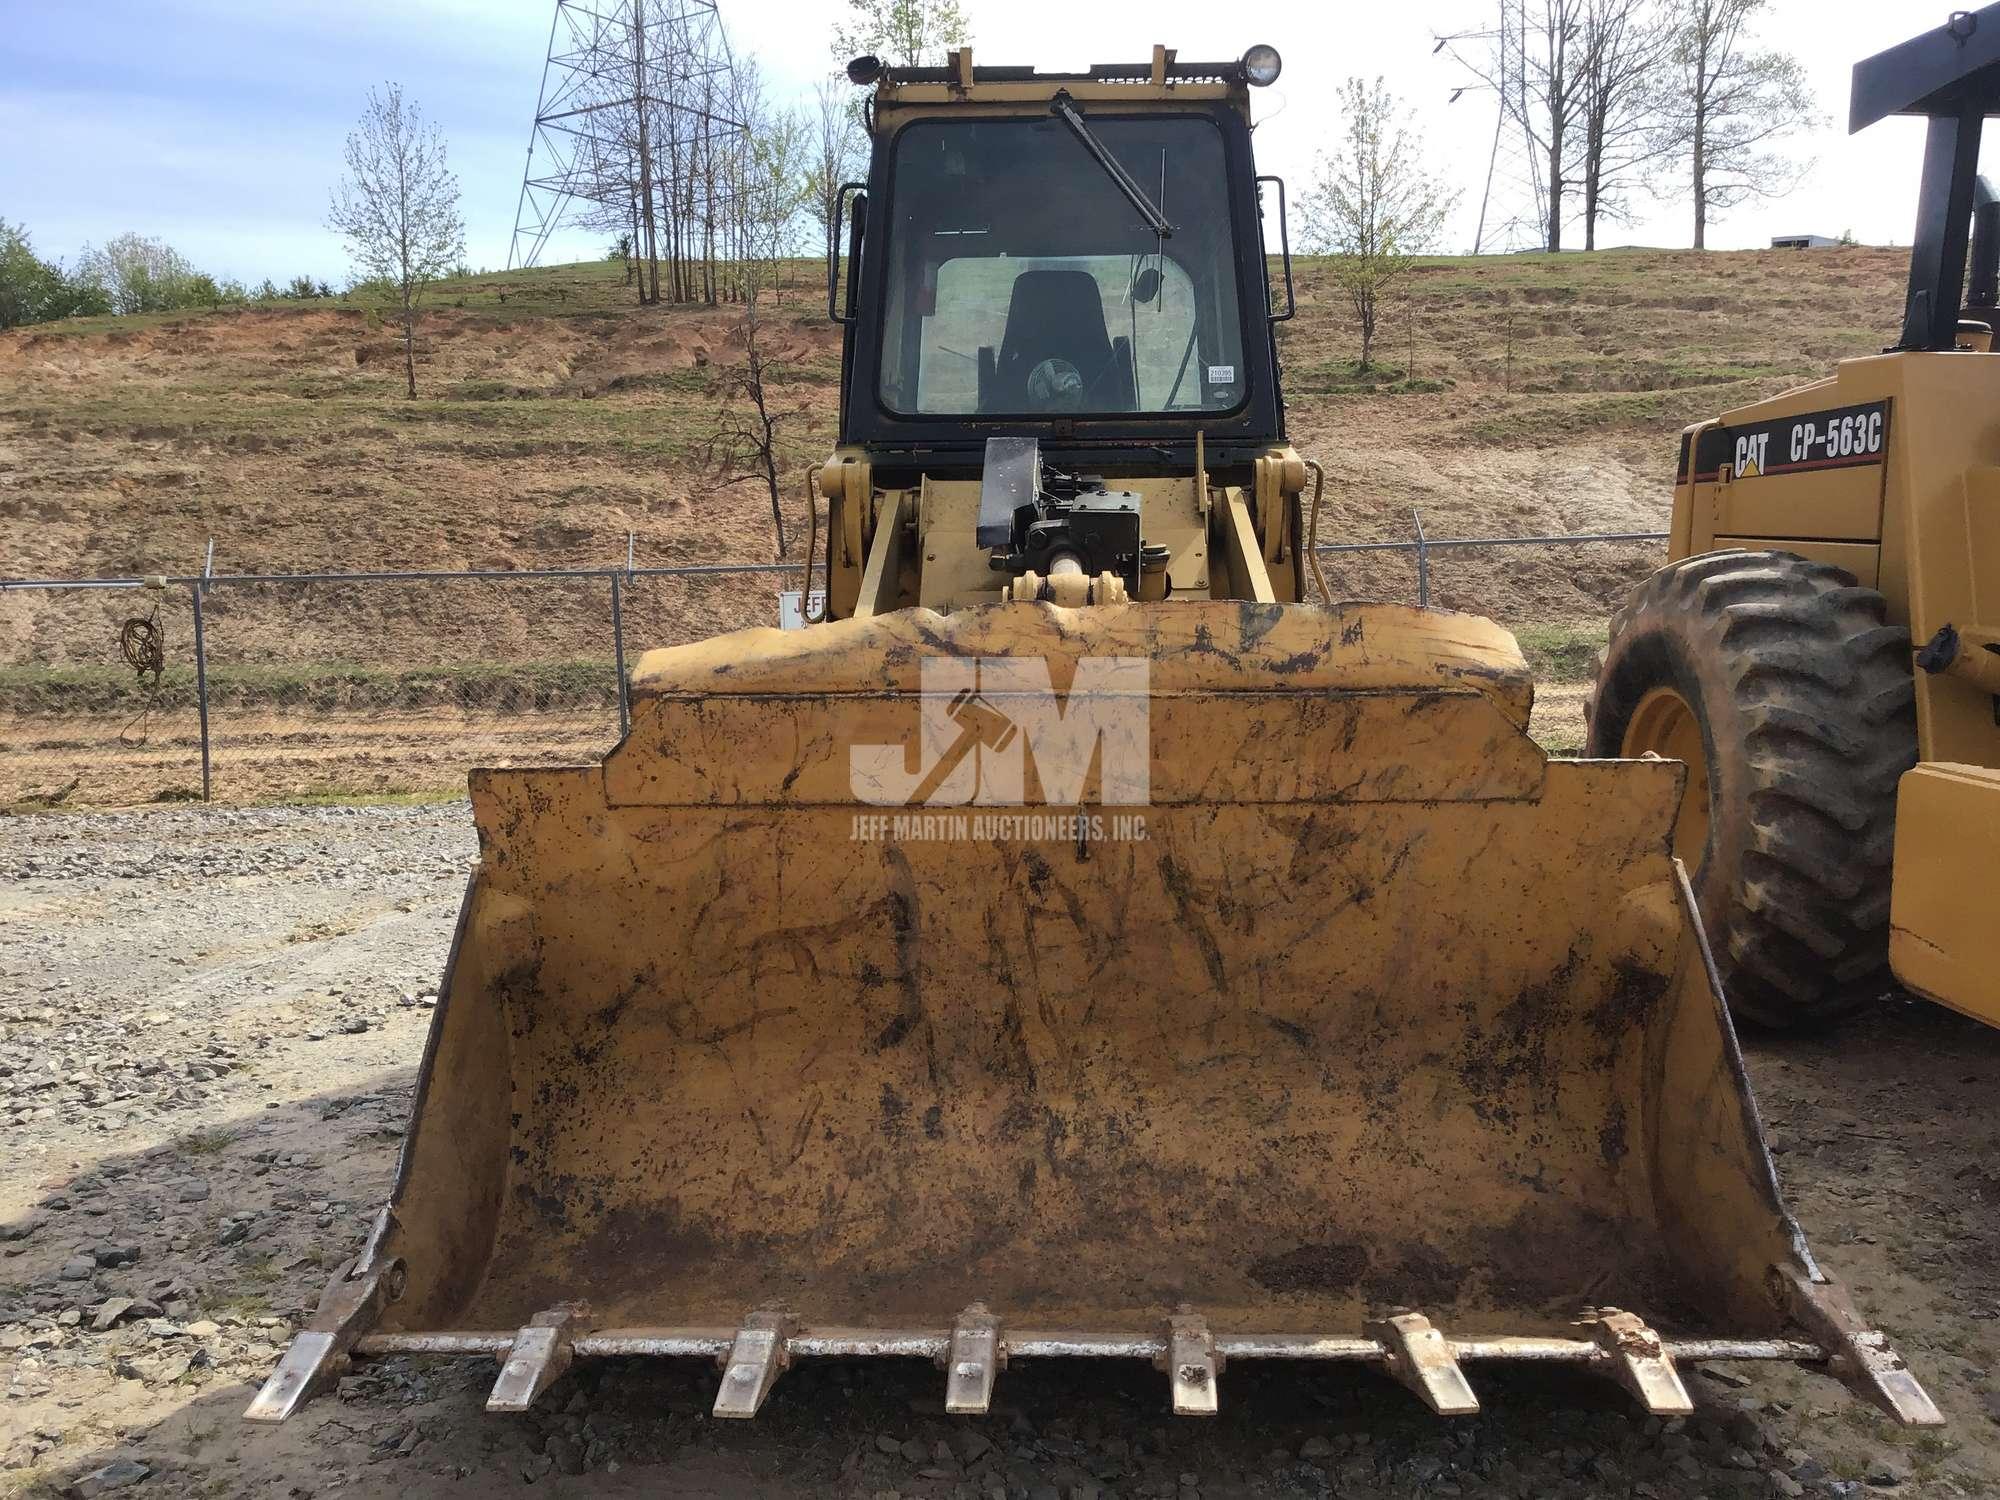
x=1941 y=72
x=1163 y=79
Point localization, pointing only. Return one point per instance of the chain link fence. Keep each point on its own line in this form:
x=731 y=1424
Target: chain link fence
x=1559 y=619
x=263 y=687
x=334 y=685
x=79 y=721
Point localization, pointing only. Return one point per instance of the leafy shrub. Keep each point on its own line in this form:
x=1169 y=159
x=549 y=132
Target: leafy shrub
x=33 y=290
x=137 y=274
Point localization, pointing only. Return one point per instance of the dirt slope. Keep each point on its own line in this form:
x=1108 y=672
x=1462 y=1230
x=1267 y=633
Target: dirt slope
x=541 y=437
x=1515 y=395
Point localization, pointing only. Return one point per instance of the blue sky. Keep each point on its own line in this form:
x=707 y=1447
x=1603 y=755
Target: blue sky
x=218 y=125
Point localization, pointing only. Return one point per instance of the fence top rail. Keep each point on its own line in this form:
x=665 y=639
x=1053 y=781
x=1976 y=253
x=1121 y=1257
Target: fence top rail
x=1439 y=543
x=714 y=570
x=459 y=575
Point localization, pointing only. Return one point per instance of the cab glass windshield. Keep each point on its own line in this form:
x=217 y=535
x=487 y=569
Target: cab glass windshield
x=1023 y=282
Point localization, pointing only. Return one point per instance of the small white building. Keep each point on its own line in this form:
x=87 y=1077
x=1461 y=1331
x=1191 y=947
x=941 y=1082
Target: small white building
x=1802 y=242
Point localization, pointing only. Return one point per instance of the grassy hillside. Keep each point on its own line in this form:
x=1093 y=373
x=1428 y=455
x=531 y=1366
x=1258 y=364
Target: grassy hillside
x=1522 y=394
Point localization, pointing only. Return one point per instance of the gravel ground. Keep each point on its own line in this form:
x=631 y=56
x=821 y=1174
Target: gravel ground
x=209 y=1023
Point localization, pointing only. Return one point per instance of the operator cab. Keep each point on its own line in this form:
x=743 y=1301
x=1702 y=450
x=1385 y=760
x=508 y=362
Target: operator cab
x=1078 y=258
x=1022 y=283
x=1059 y=377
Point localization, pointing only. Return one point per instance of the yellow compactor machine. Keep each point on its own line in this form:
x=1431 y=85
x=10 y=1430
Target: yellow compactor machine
x=1842 y=818
x=1077 y=944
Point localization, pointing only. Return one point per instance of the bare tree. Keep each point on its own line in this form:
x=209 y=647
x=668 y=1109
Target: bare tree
x=1555 y=89
x=834 y=154
x=905 y=33
x=760 y=176
x=398 y=206
x=747 y=446
x=1373 y=204
x=642 y=154
x=1534 y=64
x=1627 y=46
x=607 y=173
x=1733 y=100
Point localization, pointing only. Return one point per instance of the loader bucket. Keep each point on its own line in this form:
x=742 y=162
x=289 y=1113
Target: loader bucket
x=1185 y=982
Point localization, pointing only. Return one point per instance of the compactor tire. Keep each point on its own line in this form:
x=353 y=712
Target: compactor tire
x=1805 y=706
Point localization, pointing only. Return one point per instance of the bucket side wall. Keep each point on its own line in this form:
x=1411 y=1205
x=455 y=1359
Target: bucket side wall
x=446 y=1205
x=1716 y=1187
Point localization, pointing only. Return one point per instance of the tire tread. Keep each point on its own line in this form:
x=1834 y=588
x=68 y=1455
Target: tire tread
x=1818 y=685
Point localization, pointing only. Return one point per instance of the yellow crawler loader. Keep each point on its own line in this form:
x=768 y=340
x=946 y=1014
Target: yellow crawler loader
x=1077 y=943
x=1842 y=817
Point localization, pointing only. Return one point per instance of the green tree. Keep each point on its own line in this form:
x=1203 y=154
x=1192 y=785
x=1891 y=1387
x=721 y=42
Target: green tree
x=903 y=33
x=26 y=280
x=76 y=298
x=1373 y=204
x=138 y=274
x=33 y=290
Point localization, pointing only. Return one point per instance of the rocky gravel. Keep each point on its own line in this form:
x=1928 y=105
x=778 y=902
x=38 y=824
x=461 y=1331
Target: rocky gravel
x=138 y=975
x=209 y=1023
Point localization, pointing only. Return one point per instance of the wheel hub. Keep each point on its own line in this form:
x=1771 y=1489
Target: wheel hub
x=1665 y=725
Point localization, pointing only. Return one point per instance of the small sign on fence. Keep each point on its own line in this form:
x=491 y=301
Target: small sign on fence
x=791 y=616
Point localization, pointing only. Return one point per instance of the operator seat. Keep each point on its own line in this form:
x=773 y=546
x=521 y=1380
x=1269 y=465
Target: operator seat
x=1056 y=314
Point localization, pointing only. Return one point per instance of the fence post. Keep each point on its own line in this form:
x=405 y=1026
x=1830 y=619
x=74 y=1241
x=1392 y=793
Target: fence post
x=201 y=667
x=201 y=689
x=1423 y=562
x=618 y=651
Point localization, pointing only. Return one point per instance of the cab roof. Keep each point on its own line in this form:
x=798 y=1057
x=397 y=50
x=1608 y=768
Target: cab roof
x=1164 y=80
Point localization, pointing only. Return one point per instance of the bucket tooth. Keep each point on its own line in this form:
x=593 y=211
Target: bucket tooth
x=755 y=1361
x=1422 y=1359
x=1640 y=1361
x=972 y=1362
x=540 y=1354
x=1858 y=1356
x=318 y=1354
x=1192 y=1365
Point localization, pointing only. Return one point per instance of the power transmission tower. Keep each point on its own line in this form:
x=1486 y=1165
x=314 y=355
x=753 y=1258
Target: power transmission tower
x=1513 y=206
x=632 y=116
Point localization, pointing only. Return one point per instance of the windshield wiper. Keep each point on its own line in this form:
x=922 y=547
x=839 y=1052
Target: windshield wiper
x=1064 y=108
